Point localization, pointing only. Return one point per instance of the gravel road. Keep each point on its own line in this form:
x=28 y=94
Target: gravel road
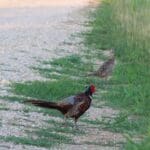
x=36 y=32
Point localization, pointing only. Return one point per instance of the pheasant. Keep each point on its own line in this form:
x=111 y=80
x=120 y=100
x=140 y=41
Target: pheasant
x=105 y=70
x=71 y=107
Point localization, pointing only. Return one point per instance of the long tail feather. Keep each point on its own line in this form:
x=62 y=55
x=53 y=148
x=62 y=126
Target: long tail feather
x=44 y=104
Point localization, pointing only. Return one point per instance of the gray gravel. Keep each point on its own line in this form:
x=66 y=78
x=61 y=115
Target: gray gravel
x=31 y=34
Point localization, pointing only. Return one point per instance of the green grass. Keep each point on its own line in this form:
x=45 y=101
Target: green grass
x=28 y=141
x=44 y=139
x=49 y=90
x=69 y=66
x=3 y=107
x=53 y=135
x=60 y=128
x=123 y=25
x=144 y=145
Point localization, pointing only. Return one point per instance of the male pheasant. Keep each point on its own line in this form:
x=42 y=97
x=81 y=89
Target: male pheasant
x=73 y=106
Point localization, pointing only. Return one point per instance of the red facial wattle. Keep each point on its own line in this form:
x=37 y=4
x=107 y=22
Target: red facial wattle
x=93 y=89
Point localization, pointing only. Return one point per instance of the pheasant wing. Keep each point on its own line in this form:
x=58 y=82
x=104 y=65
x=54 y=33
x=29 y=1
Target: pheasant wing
x=77 y=110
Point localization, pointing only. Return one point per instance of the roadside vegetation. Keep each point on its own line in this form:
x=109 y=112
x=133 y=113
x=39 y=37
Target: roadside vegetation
x=124 y=25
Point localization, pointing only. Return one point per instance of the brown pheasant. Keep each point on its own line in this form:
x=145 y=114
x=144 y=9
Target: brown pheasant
x=105 y=69
x=73 y=106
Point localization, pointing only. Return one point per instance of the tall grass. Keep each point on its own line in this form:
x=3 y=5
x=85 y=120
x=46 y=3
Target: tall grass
x=124 y=25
